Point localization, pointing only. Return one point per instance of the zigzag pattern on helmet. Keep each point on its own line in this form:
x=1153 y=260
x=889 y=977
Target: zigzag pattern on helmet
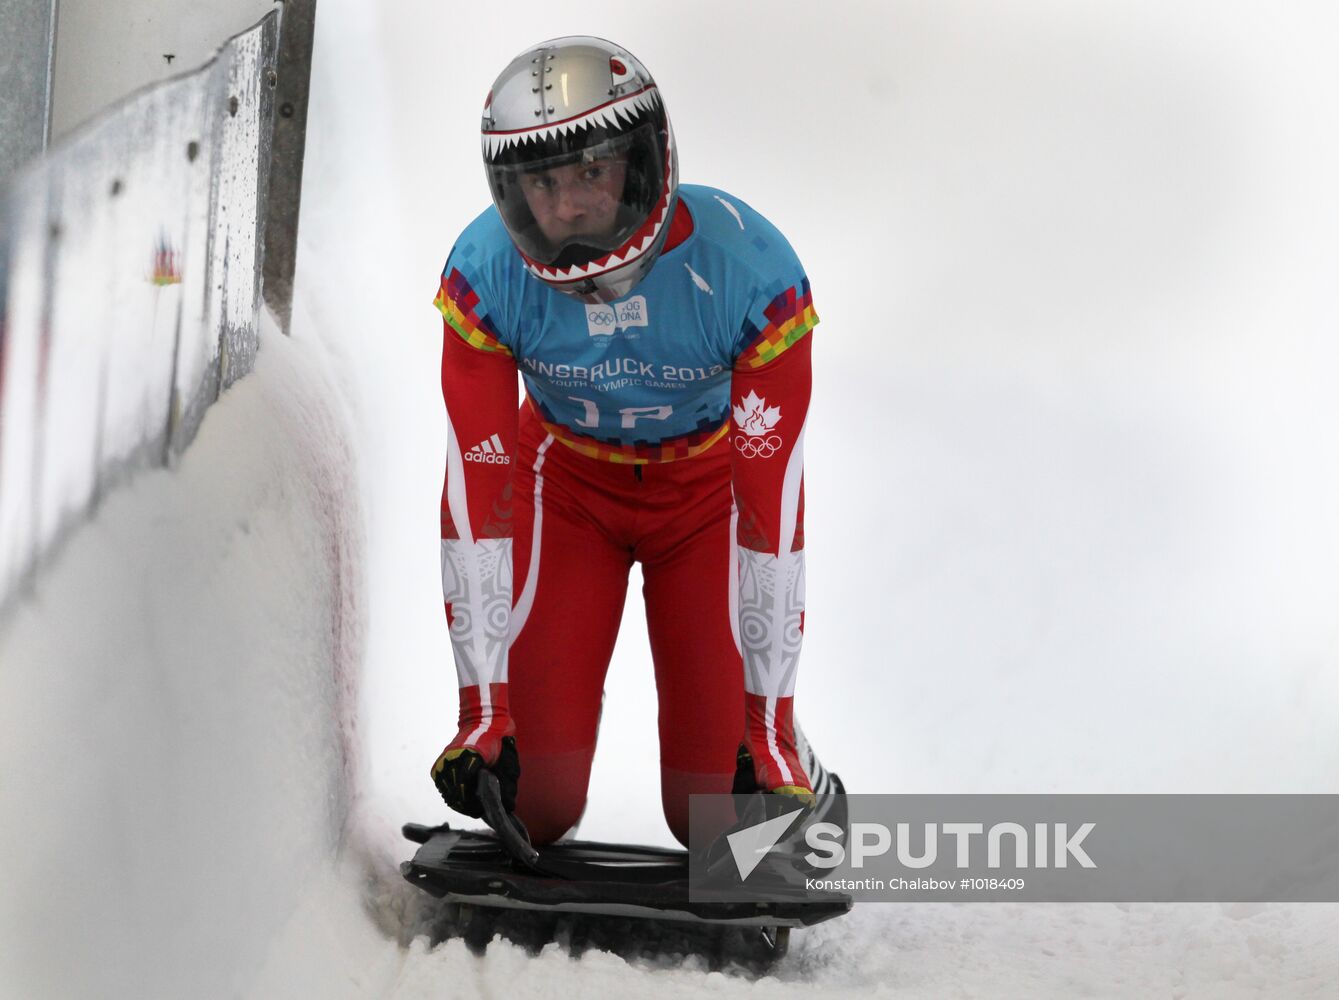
x=617 y=114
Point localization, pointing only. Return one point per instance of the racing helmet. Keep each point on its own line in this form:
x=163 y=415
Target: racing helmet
x=581 y=165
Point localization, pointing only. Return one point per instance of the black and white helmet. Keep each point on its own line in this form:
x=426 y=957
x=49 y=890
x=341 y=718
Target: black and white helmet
x=581 y=163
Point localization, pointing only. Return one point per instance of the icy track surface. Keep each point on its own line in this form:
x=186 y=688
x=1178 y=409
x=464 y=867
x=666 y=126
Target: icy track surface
x=1070 y=495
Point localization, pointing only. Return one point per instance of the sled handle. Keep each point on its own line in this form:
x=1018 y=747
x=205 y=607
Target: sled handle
x=510 y=830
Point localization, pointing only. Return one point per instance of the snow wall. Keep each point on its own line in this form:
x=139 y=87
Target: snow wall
x=201 y=623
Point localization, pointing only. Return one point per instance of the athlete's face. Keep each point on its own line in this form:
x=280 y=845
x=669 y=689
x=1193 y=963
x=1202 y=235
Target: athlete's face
x=576 y=200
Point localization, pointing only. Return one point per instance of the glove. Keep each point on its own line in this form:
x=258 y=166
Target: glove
x=746 y=781
x=456 y=775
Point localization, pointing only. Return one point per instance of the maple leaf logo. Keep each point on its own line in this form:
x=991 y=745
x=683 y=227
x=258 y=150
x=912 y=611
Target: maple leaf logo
x=754 y=417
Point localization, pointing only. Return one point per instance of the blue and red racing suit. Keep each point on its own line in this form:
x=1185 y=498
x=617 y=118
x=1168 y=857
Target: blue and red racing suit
x=665 y=428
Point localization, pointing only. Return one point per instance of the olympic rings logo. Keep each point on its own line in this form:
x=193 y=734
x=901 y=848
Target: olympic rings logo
x=758 y=447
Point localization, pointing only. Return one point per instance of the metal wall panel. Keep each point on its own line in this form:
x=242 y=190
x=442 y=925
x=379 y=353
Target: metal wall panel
x=130 y=290
x=27 y=39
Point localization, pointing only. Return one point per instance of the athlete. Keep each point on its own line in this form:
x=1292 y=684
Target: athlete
x=662 y=335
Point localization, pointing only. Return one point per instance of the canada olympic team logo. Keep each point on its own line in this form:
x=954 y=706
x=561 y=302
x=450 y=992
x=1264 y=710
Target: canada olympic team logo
x=755 y=420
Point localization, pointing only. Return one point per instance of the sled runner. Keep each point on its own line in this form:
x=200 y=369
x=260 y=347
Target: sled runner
x=499 y=869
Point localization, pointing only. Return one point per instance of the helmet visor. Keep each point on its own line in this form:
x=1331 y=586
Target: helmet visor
x=567 y=207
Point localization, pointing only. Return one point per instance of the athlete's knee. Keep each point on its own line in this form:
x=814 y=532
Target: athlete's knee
x=551 y=793
x=710 y=817
x=547 y=822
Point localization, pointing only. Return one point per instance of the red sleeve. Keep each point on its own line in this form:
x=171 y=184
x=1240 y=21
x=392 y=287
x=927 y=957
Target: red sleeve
x=479 y=387
x=769 y=406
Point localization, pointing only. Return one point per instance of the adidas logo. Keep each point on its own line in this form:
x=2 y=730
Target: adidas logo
x=489 y=452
